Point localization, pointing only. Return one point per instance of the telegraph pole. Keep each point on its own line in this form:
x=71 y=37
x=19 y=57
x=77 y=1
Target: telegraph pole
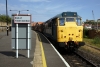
x=93 y=15
x=93 y=18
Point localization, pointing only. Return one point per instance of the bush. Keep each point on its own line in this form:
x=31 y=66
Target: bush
x=85 y=33
x=96 y=40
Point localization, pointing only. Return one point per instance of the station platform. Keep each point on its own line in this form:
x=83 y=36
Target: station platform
x=42 y=53
x=8 y=56
x=50 y=56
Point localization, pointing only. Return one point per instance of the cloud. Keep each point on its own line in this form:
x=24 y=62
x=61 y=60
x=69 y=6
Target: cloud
x=35 y=0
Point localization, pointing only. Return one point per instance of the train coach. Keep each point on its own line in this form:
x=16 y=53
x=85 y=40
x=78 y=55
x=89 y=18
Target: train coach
x=65 y=28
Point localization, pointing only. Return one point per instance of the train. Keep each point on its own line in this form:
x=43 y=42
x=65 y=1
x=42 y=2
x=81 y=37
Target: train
x=64 y=28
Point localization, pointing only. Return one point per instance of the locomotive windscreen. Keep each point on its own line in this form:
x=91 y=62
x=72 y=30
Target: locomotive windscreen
x=69 y=14
x=70 y=19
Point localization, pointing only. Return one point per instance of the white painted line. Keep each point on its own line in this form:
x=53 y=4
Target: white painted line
x=67 y=65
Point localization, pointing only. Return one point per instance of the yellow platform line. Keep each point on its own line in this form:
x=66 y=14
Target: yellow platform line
x=43 y=55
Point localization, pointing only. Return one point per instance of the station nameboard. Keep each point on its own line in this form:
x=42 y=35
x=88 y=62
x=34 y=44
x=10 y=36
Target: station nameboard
x=22 y=19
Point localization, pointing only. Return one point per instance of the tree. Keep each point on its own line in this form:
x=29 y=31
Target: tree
x=3 y=18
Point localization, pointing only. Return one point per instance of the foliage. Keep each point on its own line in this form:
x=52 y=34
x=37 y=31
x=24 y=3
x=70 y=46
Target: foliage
x=96 y=40
x=85 y=33
x=3 y=18
x=91 y=22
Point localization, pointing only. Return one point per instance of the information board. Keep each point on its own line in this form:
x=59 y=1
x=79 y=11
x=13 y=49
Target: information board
x=21 y=33
x=22 y=19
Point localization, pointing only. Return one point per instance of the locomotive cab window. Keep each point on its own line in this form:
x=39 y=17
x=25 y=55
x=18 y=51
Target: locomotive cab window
x=70 y=20
x=79 y=22
x=61 y=21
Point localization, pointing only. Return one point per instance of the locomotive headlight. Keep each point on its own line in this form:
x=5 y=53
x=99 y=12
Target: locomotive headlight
x=80 y=30
x=61 y=30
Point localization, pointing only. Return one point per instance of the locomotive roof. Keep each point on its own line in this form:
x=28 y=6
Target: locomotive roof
x=65 y=14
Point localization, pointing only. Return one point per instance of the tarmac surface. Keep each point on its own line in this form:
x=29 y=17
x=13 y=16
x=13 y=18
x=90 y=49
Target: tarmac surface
x=8 y=56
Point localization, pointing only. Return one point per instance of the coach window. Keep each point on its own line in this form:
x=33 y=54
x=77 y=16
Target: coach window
x=61 y=21
x=54 y=22
x=49 y=24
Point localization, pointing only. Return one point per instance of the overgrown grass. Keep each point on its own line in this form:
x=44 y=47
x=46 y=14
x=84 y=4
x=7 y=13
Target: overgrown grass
x=94 y=42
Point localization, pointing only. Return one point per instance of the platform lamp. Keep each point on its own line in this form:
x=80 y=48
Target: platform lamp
x=19 y=10
x=7 y=17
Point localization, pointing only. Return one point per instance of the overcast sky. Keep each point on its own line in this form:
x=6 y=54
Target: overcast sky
x=42 y=10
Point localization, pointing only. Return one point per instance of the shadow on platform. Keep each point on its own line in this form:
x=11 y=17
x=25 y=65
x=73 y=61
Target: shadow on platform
x=10 y=53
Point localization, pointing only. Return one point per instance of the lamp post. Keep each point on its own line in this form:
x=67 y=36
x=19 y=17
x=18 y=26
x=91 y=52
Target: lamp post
x=19 y=10
x=7 y=17
x=1 y=23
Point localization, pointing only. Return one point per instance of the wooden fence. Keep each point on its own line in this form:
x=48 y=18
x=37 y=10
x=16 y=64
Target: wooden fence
x=93 y=33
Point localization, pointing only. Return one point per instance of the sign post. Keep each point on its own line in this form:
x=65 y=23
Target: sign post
x=17 y=40
x=21 y=33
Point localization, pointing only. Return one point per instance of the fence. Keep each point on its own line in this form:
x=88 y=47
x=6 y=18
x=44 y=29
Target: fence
x=91 y=33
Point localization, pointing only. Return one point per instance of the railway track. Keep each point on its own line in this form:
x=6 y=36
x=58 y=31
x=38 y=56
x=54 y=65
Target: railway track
x=75 y=59
x=94 y=47
x=85 y=60
x=93 y=59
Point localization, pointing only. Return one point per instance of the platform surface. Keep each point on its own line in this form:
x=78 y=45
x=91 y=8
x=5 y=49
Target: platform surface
x=8 y=56
x=52 y=58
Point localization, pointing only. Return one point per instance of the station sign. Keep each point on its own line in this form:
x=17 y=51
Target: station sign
x=21 y=33
x=22 y=19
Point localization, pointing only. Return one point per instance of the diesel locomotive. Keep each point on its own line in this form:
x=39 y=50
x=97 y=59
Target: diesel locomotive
x=65 y=28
